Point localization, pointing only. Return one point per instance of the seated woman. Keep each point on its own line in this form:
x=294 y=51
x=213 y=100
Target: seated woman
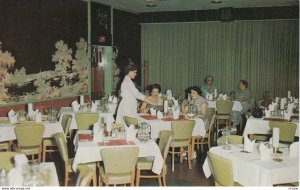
x=243 y=96
x=154 y=97
x=198 y=102
x=208 y=88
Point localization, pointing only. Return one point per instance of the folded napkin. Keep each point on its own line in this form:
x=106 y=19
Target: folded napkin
x=175 y=102
x=276 y=100
x=215 y=93
x=225 y=97
x=296 y=100
x=271 y=141
x=110 y=98
x=75 y=105
x=272 y=106
x=287 y=115
x=206 y=96
x=130 y=133
x=12 y=116
x=264 y=152
x=15 y=176
x=290 y=107
x=169 y=94
x=30 y=111
x=98 y=135
x=38 y=117
x=115 y=100
x=159 y=115
x=267 y=113
x=94 y=107
x=153 y=111
x=248 y=145
x=176 y=113
x=294 y=149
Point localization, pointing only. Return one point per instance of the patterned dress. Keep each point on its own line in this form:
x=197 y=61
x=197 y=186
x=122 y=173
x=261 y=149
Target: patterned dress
x=236 y=116
x=197 y=103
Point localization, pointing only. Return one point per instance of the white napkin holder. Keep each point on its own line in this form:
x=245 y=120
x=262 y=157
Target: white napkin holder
x=267 y=113
x=94 y=107
x=248 y=145
x=275 y=137
x=98 y=135
x=264 y=152
x=75 y=106
x=130 y=133
x=294 y=150
x=153 y=111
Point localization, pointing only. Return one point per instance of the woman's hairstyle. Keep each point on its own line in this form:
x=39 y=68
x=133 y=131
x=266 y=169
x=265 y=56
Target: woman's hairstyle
x=130 y=68
x=197 y=89
x=244 y=82
x=154 y=86
x=208 y=76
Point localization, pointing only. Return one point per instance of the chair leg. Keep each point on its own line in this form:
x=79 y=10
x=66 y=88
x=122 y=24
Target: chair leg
x=181 y=154
x=44 y=153
x=173 y=159
x=164 y=180
x=132 y=179
x=159 y=181
x=66 y=176
x=193 y=146
x=138 y=174
x=95 y=177
x=189 y=157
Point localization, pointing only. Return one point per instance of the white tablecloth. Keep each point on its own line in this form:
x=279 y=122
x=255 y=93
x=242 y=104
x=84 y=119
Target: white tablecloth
x=7 y=132
x=249 y=170
x=112 y=107
x=159 y=125
x=73 y=124
x=90 y=152
x=261 y=126
x=237 y=106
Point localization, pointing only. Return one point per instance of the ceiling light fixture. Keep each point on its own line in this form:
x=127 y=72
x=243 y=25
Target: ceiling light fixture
x=216 y=1
x=151 y=5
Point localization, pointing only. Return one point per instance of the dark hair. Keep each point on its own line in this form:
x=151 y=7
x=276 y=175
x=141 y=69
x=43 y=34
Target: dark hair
x=197 y=89
x=130 y=68
x=154 y=86
x=244 y=82
x=208 y=76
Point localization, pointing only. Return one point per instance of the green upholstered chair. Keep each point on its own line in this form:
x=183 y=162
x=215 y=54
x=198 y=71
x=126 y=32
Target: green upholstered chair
x=182 y=133
x=63 y=151
x=146 y=163
x=118 y=169
x=286 y=130
x=7 y=160
x=86 y=120
x=49 y=144
x=223 y=116
x=29 y=139
x=85 y=176
x=222 y=170
x=234 y=139
x=130 y=121
x=199 y=140
x=5 y=146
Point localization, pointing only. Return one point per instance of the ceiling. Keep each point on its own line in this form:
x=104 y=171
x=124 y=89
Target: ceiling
x=139 y=6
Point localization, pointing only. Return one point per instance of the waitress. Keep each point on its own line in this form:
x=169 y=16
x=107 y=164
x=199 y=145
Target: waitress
x=129 y=94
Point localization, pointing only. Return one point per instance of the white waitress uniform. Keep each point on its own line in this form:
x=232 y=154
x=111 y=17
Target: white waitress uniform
x=128 y=104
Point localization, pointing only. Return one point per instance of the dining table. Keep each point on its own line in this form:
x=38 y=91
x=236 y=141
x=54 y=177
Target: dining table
x=89 y=151
x=249 y=170
x=261 y=125
x=158 y=125
x=103 y=116
x=7 y=132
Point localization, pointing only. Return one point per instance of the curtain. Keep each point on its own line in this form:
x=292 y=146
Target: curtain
x=265 y=53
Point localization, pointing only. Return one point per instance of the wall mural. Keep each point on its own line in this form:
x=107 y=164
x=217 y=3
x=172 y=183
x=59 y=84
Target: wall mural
x=70 y=77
